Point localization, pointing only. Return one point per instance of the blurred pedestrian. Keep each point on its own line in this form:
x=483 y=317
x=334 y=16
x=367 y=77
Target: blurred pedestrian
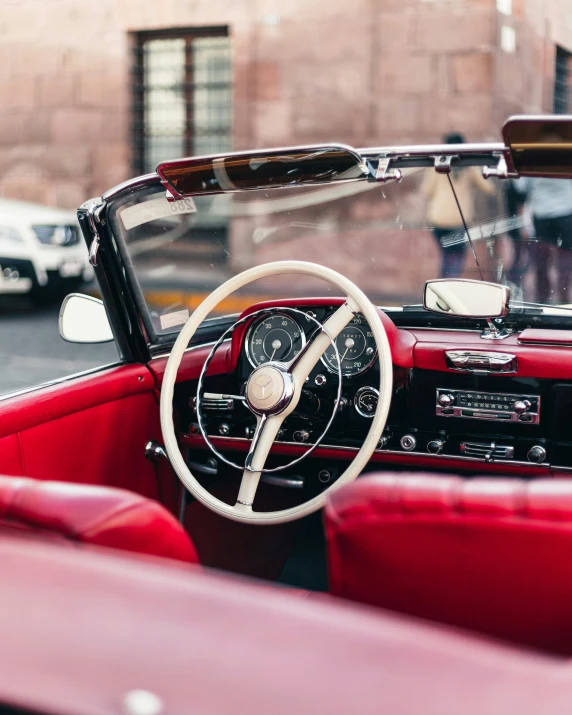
x=550 y=202
x=443 y=214
x=515 y=200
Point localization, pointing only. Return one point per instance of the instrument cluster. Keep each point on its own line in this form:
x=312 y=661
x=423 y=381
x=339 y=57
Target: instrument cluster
x=280 y=337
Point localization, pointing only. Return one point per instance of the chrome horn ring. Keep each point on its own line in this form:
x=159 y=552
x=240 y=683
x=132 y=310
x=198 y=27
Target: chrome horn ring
x=282 y=367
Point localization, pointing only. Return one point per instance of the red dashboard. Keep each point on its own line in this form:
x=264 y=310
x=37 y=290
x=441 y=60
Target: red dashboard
x=542 y=361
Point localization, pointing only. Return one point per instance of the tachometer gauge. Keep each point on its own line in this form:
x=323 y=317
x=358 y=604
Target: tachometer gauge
x=276 y=337
x=356 y=346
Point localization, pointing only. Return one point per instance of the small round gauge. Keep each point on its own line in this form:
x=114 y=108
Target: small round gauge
x=276 y=337
x=356 y=346
x=365 y=401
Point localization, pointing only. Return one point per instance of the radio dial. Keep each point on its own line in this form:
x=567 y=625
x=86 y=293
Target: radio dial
x=446 y=400
x=520 y=406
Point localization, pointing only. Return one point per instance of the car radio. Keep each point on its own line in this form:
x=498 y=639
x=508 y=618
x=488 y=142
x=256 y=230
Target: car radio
x=494 y=406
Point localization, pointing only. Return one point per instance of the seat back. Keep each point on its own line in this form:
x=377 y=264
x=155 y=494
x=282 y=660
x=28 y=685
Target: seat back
x=492 y=555
x=101 y=516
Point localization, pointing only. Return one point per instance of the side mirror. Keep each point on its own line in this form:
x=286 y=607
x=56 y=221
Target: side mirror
x=466 y=298
x=540 y=146
x=83 y=320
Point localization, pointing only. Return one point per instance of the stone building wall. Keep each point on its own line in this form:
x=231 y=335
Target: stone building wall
x=365 y=72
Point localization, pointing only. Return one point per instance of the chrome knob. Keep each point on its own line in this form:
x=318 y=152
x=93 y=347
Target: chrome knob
x=536 y=454
x=343 y=404
x=301 y=435
x=383 y=441
x=408 y=442
x=223 y=429
x=520 y=406
x=154 y=451
x=446 y=400
x=320 y=380
x=435 y=446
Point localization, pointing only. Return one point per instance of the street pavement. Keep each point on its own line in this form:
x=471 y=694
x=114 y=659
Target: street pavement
x=32 y=352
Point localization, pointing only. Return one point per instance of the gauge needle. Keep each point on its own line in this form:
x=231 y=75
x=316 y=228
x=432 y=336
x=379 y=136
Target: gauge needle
x=276 y=344
x=348 y=345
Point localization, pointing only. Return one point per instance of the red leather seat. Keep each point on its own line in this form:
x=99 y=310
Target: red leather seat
x=492 y=555
x=93 y=515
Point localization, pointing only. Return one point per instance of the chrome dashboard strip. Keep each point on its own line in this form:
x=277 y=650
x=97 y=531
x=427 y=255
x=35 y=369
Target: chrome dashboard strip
x=547 y=465
x=444 y=330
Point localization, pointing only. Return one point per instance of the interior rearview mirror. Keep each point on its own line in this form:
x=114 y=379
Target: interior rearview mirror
x=540 y=146
x=467 y=298
x=83 y=320
x=266 y=169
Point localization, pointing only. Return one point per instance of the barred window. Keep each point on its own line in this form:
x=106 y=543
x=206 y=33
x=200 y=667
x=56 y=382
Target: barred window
x=182 y=95
x=562 y=80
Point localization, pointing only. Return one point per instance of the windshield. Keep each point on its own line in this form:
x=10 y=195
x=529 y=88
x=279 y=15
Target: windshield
x=387 y=238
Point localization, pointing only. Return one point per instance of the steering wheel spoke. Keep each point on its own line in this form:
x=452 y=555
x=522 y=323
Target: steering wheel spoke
x=266 y=430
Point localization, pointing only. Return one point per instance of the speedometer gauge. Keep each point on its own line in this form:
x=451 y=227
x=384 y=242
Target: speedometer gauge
x=356 y=346
x=276 y=337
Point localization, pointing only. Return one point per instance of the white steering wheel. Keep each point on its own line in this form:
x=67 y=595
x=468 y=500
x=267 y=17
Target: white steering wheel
x=283 y=385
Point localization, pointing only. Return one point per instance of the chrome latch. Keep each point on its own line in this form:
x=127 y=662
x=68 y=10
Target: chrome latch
x=480 y=361
x=443 y=164
x=500 y=172
x=384 y=174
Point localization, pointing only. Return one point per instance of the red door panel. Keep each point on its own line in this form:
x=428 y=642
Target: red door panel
x=11 y=455
x=91 y=430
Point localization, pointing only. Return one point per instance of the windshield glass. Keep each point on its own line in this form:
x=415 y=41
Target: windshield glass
x=388 y=238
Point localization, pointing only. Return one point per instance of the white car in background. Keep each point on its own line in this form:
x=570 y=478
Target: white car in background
x=42 y=251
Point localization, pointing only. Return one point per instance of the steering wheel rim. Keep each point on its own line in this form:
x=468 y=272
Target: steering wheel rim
x=356 y=302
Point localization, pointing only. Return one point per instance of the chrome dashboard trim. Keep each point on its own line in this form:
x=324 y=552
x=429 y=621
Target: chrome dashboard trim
x=545 y=344
x=444 y=330
x=490 y=361
x=510 y=462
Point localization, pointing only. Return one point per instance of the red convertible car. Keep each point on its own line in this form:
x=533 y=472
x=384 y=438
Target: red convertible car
x=330 y=471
